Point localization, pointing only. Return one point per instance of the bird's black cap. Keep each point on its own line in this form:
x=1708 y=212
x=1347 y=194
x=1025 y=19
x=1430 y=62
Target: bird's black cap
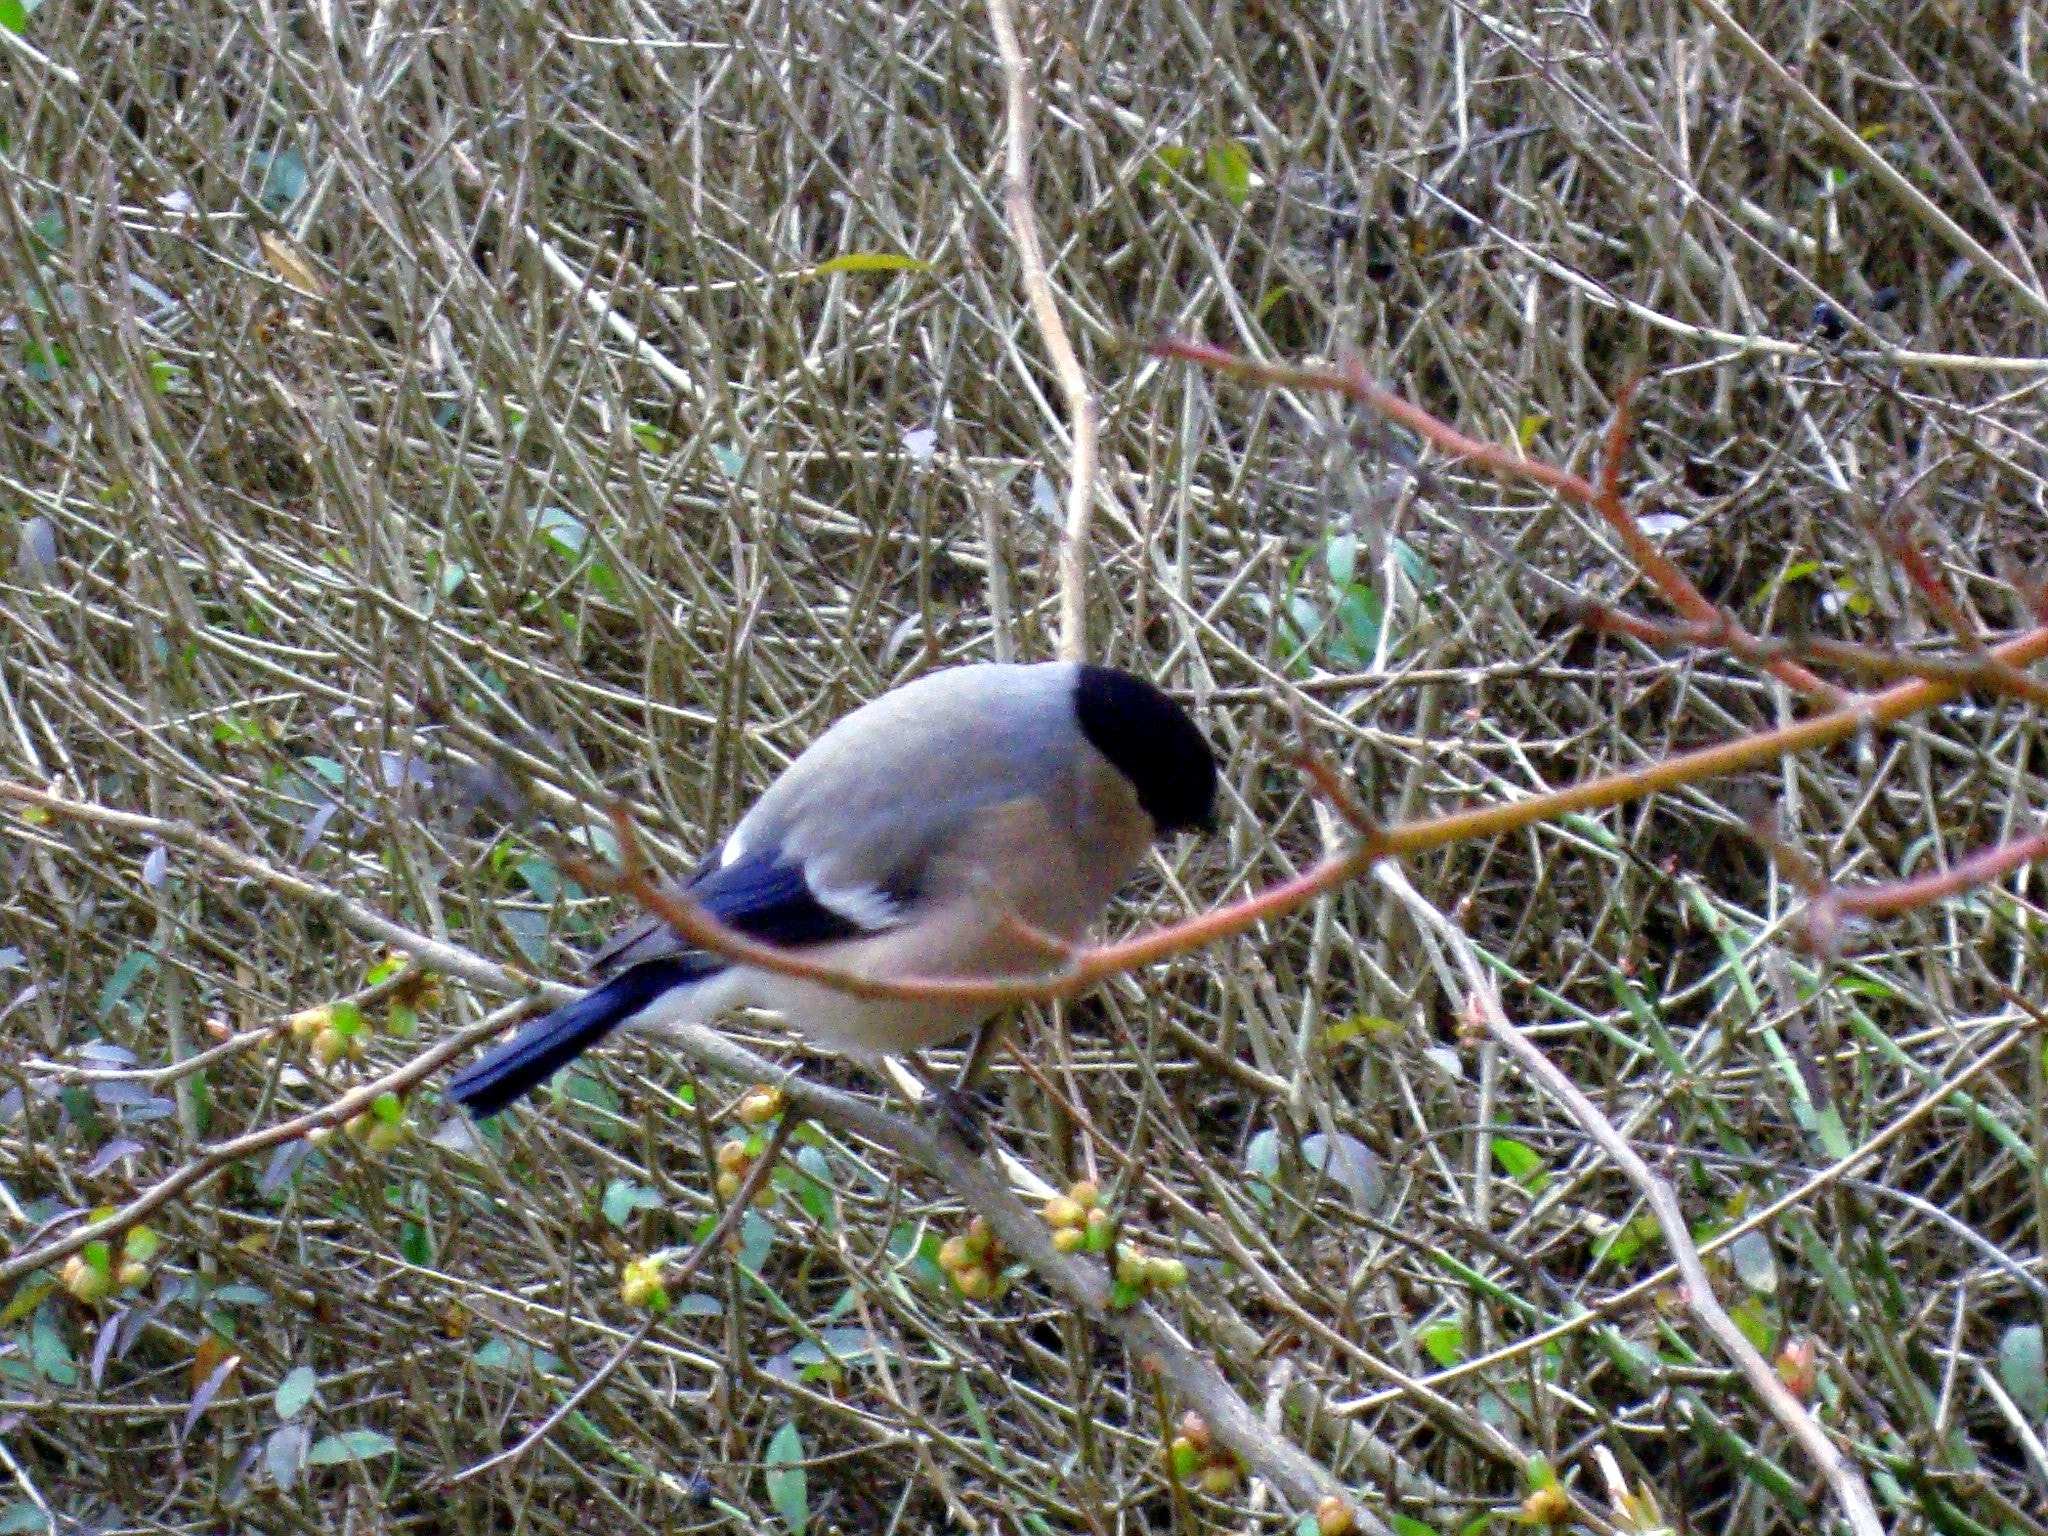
x=1152 y=742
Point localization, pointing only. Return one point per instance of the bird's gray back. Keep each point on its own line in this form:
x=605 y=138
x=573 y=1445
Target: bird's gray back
x=901 y=774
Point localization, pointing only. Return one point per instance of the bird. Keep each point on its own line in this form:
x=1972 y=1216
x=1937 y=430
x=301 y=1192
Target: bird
x=924 y=835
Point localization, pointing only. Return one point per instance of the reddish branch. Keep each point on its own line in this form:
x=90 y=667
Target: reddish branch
x=1603 y=500
x=1929 y=683
x=1977 y=670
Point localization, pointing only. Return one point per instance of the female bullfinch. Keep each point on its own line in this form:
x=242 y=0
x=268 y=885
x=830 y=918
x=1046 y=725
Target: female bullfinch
x=903 y=843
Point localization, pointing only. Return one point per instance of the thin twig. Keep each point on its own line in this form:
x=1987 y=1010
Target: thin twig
x=1603 y=500
x=728 y=1219
x=227 y=1153
x=1066 y=366
x=1843 y=1476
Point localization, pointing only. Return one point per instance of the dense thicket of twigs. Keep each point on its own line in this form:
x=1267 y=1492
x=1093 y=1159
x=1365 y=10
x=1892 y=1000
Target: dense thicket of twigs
x=645 y=385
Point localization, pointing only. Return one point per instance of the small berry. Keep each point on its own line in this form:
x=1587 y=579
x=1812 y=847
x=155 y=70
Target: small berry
x=732 y=1156
x=975 y=1282
x=1195 y=1430
x=953 y=1254
x=308 y=1022
x=1130 y=1265
x=1218 y=1478
x=727 y=1185
x=1166 y=1274
x=1185 y=1457
x=1063 y=1211
x=329 y=1047
x=384 y=1136
x=1333 y=1517
x=760 y=1106
x=1069 y=1239
x=86 y=1280
x=1549 y=1505
x=640 y=1284
x=1086 y=1194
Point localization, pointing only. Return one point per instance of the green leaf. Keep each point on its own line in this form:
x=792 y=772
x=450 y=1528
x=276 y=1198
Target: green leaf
x=284 y=179
x=43 y=363
x=350 y=1445
x=14 y=17
x=22 y=1514
x=301 y=1383
x=562 y=530
x=757 y=1238
x=28 y=1297
x=809 y=1177
x=416 y=1245
x=788 y=1484
x=1520 y=1162
x=1445 y=1343
x=1262 y=1164
x=869 y=261
x=241 y=1296
x=2023 y=1370
x=539 y=877
x=622 y=1197
x=1408 y=1525
x=511 y=1355
x=652 y=438
x=580 y=1087
x=1229 y=165
x=1340 y=558
x=1756 y=1266
x=49 y=1352
x=1748 y=1316
x=126 y=974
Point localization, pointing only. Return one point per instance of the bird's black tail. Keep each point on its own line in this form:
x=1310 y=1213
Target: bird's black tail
x=540 y=1050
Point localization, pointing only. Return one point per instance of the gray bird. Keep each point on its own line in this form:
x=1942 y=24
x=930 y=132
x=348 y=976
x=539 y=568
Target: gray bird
x=905 y=842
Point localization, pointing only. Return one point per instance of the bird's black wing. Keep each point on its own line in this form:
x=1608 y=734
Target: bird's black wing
x=764 y=896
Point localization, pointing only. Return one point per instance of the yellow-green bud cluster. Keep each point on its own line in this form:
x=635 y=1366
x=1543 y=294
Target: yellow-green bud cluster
x=96 y=1272
x=642 y=1282
x=1198 y=1462
x=973 y=1262
x=736 y=1159
x=1078 y=1221
x=1142 y=1271
x=380 y=1128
